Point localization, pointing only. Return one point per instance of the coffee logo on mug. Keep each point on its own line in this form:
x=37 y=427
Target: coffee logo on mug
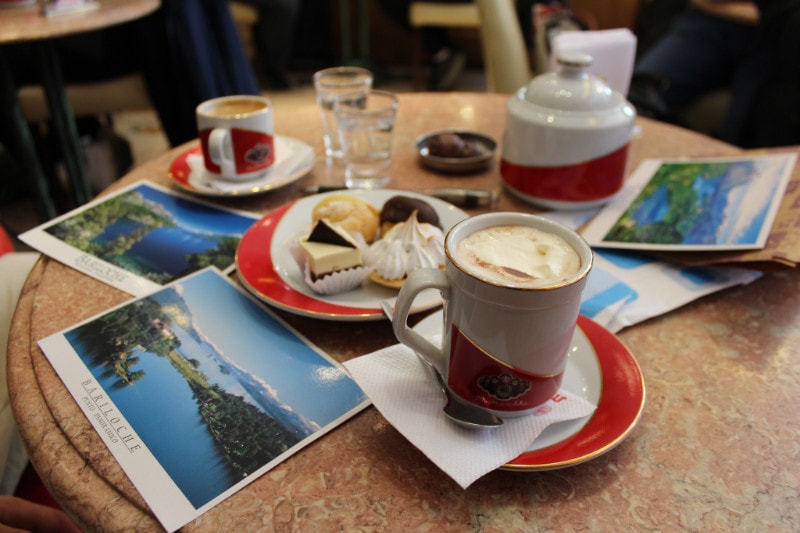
x=257 y=153
x=481 y=378
x=504 y=387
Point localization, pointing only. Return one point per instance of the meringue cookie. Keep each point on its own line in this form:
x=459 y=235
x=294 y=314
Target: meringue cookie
x=406 y=247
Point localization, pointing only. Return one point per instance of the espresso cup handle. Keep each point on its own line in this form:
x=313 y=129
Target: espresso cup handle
x=417 y=281
x=219 y=146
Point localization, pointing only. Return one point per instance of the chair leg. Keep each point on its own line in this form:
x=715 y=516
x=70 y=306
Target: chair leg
x=22 y=144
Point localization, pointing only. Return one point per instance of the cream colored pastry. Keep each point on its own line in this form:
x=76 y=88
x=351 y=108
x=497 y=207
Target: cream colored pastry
x=406 y=247
x=324 y=258
x=332 y=259
x=349 y=212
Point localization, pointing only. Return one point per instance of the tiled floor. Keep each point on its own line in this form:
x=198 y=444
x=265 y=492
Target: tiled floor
x=143 y=132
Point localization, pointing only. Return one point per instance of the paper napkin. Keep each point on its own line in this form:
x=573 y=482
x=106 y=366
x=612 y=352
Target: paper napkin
x=613 y=53
x=406 y=394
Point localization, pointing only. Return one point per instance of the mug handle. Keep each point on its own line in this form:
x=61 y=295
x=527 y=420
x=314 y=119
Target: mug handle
x=417 y=281
x=219 y=144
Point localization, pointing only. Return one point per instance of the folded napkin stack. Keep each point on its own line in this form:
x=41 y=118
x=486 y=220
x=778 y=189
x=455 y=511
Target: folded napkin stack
x=613 y=53
x=407 y=395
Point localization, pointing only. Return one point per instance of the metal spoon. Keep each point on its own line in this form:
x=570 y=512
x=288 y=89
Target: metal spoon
x=459 y=411
x=462 y=413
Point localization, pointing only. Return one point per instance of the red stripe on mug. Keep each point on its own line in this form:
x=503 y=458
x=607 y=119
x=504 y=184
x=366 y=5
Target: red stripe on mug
x=481 y=379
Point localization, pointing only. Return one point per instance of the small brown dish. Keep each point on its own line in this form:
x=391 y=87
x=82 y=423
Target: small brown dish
x=478 y=151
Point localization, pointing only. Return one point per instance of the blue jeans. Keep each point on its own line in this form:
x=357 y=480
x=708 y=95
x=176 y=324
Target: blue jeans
x=701 y=53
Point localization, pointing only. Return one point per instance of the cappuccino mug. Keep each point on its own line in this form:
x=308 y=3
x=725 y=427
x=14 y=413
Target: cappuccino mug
x=237 y=136
x=512 y=287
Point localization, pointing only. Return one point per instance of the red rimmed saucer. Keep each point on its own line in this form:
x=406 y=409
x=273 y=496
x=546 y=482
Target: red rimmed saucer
x=294 y=160
x=621 y=404
x=267 y=268
x=603 y=371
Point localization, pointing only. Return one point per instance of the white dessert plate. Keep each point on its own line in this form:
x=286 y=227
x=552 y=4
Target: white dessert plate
x=603 y=371
x=293 y=160
x=267 y=268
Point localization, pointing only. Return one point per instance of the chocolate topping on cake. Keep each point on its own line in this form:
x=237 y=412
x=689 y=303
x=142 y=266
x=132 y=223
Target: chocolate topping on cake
x=399 y=208
x=324 y=232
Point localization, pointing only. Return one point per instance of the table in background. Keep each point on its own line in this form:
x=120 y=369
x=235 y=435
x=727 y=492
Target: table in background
x=29 y=25
x=716 y=448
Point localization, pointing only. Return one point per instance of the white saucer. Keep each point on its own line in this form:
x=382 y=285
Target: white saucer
x=293 y=160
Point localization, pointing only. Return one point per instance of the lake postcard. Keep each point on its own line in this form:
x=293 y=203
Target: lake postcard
x=143 y=237
x=695 y=205
x=198 y=389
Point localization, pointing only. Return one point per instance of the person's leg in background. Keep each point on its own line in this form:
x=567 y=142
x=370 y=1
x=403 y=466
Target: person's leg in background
x=274 y=36
x=699 y=53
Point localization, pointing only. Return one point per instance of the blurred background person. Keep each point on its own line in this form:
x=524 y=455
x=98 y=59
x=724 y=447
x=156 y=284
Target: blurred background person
x=738 y=47
x=274 y=37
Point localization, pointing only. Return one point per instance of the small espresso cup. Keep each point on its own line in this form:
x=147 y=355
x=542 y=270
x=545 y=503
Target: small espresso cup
x=512 y=287
x=237 y=136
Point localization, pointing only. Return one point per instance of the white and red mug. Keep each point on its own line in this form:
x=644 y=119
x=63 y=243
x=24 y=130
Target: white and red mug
x=237 y=136
x=512 y=287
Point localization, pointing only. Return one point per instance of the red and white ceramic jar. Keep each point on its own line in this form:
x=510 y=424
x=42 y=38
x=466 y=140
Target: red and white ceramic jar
x=567 y=138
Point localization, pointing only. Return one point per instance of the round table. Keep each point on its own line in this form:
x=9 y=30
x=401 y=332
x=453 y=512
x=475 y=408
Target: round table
x=27 y=24
x=715 y=449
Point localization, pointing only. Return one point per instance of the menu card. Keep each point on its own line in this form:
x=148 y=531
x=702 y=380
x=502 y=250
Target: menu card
x=143 y=237
x=197 y=389
x=734 y=210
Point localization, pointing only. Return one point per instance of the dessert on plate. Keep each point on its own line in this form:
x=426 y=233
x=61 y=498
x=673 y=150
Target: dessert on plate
x=354 y=214
x=407 y=246
x=351 y=240
x=333 y=262
x=399 y=208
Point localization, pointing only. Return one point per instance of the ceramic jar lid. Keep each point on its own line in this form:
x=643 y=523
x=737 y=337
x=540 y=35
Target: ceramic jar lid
x=560 y=95
x=566 y=117
x=572 y=88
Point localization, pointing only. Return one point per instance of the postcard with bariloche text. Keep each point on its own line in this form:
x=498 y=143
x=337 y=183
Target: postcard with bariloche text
x=711 y=204
x=198 y=389
x=143 y=237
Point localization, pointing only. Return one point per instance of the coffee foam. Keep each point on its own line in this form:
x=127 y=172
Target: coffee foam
x=519 y=256
x=232 y=108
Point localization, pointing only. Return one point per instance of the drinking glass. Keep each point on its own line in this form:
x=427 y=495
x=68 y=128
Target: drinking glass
x=365 y=134
x=331 y=84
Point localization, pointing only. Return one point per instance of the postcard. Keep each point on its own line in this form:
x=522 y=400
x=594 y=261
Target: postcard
x=695 y=205
x=143 y=237
x=198 y=389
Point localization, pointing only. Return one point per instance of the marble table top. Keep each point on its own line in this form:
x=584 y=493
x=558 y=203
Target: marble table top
x=716 y=448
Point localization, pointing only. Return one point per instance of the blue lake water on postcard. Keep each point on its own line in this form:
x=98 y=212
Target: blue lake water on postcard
x=717 y=216
x=163 y=412
x=160 y=250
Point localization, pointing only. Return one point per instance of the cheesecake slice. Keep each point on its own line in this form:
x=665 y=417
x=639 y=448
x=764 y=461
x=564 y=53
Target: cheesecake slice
x=330 y=249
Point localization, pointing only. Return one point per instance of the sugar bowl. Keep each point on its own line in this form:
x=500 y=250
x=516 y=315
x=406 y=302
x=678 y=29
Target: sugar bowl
x=567 y=137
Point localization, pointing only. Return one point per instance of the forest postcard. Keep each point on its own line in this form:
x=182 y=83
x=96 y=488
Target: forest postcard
x=198 y=389
x=695 y=205
x=143 y=237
